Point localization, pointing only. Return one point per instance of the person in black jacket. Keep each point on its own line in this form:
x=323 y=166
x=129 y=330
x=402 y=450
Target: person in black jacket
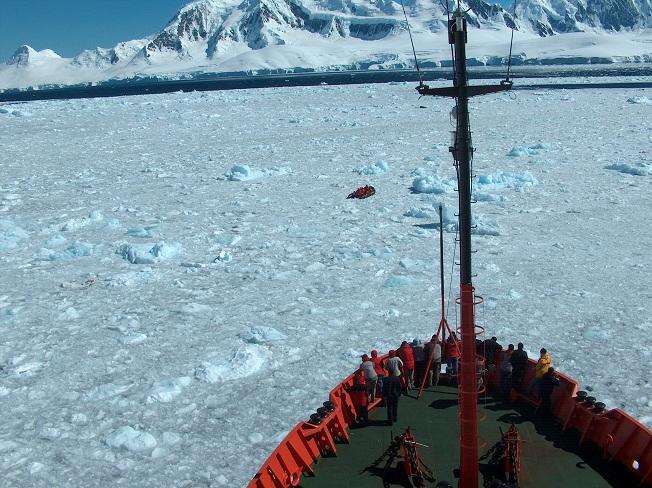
x=392 y=393
x=518 y=361
x=549 y=382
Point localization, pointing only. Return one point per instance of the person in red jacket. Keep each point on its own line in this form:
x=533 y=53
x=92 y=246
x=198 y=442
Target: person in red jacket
x=359 y=397
x=380 y=370
x=407 y=356
x=452 y=356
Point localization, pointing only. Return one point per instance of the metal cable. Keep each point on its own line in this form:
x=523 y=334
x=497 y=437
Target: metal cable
x=416 y=62
x=448 y=17
x=511 y=42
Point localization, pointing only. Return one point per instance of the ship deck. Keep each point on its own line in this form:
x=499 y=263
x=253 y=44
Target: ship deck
x=549 y=457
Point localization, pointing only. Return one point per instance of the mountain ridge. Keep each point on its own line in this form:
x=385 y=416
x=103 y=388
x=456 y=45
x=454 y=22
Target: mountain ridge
x=241 y=35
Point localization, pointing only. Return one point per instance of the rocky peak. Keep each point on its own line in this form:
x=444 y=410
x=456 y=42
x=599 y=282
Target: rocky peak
x=26 y=56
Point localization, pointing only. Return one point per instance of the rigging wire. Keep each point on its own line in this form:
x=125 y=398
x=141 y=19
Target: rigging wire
x=450 y=281
x=448 y=17
x=511 y=43
x=414 y=51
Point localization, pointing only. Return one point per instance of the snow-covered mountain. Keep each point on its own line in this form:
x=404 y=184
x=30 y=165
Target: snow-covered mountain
x=102 y=58
x=26 y=56
x=260 y=35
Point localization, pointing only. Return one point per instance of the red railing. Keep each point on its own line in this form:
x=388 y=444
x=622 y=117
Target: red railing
x=622 y=438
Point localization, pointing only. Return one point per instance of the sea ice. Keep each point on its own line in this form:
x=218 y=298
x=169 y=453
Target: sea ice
x=242 y=172
x=75 y=250
x=10 y=234
x=528 y=150
x=488 y=197
x=107 y=390
x=69 y=313
x=133 y=338
x=433 y=184
x=167 y=390
x=640 y=100
x=148 y=253
x=378 y=167
x=636 y=169
x=139 y=232
x=170 y=438
x=506 y=179
x=131 y=439
x=421 y=213
x=8 y=314
x=260 y=334
x=399 y=281
x=195 y=309
x=244 y=361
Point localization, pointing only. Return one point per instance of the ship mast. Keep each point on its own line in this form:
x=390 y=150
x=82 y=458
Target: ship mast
x=462 y=154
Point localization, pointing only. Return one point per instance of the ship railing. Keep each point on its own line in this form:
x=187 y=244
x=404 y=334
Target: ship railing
x=618 y=436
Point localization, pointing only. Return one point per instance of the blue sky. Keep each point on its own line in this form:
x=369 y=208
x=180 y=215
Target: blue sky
x=70 y=26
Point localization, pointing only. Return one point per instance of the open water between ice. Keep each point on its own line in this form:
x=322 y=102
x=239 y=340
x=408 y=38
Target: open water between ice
x=215 y=82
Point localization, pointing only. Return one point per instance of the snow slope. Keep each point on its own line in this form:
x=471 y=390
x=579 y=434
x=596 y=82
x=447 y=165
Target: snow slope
x=183 y=279
x=234 y=36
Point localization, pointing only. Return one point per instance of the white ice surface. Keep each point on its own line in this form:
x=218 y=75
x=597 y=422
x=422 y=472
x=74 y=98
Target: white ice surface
x=187 y=370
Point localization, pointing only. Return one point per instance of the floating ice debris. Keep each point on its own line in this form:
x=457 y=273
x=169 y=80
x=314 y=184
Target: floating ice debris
x=245 y=361
x=636 y=169
x=195 y=309
x=224 y=256
x=421 y=213
x=484 y=227
x=488 y=197
x=528 y=150
x=69 y=314
x=167 y=390
x=15 y=113
x=96 y=215
x=148 y=253
x=107 y=390
x=314 y=267
x=133 y=338
x=413 y=264
x=399 y=281
x=596 y=333
x=26 y=369
x=8 y=314
x=227 y=239
x=138 y=232
x=506 y=179
x=131 y=278
x=373 y=169
x=242 y=172
x=131 y=439
x=255 y=438
x=56 y=240
x=170 y=438
x=433 y=184
x=640 y=100
x=10 y=234
x=260 y=334
x=432 y=213
x=78 y=223
x=76 y=250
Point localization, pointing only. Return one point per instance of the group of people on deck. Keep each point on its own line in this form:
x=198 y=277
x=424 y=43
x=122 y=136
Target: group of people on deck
x=401 y=371
x=407 y=368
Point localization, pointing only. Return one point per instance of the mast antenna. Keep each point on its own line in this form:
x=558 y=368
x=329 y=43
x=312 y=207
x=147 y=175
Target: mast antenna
x=462 y=156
